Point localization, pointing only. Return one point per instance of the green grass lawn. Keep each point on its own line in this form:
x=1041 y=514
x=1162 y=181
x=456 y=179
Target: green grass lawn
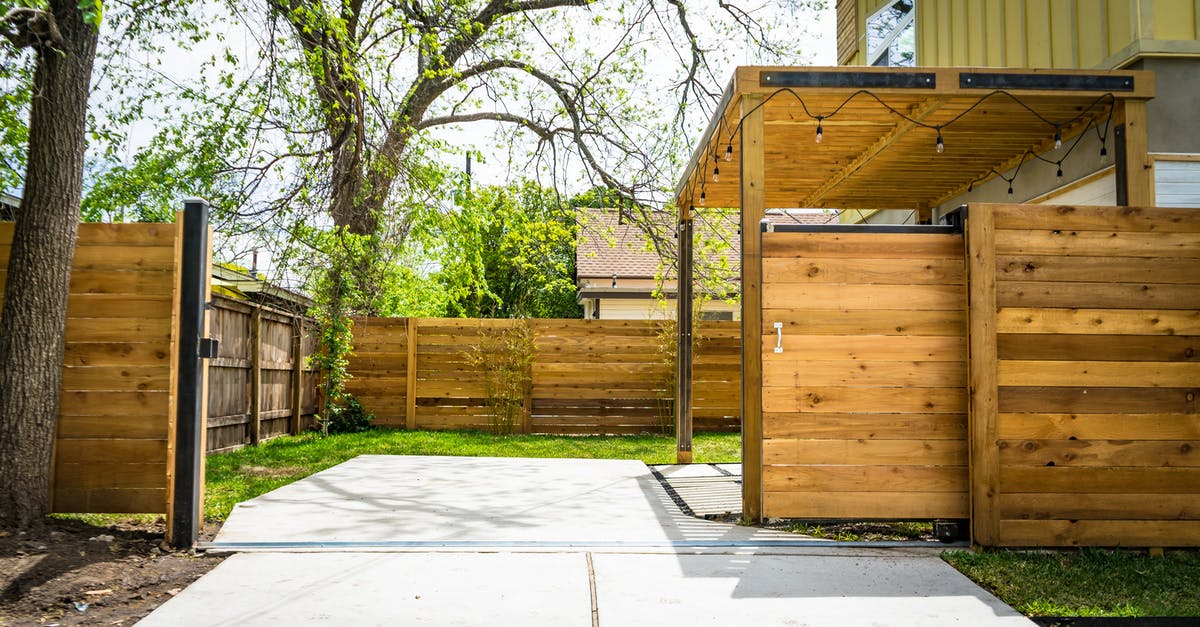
x=249 y=472
x=1088 y=582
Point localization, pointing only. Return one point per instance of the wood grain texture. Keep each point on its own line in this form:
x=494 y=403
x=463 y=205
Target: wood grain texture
x=1126 y=533
x=279 y=344
x=587 y=376
x=865 y=505
x=111 y=449
x=982 y=372
x=870 y=383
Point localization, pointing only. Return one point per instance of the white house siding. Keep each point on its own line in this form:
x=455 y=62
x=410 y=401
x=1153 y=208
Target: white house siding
x=1177 y=183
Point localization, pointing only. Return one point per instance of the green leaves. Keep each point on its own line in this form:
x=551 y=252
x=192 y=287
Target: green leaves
x=505 y=252
x=93 y=11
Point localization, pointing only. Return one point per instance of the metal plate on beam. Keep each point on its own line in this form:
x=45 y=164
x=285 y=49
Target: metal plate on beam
x=1058 y=82
x=851 y=80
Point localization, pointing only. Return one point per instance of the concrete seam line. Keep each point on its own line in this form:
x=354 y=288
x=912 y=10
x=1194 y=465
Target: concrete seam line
x=576 y=544
x=592 y=589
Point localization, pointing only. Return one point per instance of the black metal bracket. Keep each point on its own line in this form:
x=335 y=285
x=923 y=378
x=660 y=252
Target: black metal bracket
x=956 y=217
x=850 y=80
x=1057 y=82
x=208 y=347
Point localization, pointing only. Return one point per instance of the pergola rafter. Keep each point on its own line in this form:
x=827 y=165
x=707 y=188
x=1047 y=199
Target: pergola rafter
x=919 y=113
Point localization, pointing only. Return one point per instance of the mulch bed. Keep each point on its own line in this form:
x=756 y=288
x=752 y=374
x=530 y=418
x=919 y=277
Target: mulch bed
x=72 y=573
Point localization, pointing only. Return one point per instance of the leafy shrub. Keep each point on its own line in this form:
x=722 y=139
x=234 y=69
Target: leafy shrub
x=349 y=417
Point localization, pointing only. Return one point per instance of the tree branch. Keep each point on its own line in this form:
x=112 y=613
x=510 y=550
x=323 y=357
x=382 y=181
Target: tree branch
x=26 y=27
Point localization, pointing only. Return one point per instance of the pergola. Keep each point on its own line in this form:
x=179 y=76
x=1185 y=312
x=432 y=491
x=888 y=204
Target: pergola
x=880 y=138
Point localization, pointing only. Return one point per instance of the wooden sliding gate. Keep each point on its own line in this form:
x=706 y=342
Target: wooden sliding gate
x=864 y=358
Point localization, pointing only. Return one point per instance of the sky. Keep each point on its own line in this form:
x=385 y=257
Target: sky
x=816 y=38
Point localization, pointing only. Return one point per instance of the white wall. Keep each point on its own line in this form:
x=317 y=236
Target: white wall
x=651 y=309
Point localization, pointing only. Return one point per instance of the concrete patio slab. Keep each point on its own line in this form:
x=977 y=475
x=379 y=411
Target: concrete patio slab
x=384 y=498
x=385 y=589
x=383 y=540
x=702 y=590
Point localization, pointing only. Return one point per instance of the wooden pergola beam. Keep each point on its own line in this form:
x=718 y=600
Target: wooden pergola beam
x=926 y=109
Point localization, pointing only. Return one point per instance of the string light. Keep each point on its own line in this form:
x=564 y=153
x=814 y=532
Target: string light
x=1059 y=176
x=940 y=140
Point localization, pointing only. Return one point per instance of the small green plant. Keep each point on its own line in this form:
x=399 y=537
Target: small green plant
x=504 y=356
x=346 y=417
x=667 y=344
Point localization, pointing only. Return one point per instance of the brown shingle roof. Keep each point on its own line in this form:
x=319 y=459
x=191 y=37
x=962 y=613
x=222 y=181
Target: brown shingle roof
x=609 y=246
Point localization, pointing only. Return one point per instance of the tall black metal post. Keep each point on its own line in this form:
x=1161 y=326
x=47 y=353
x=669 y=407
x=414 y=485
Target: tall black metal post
x=189 y=419
x=683 y=371
x=1122 y=164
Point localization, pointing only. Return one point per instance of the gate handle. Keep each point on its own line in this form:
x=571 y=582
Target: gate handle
x=778 y=337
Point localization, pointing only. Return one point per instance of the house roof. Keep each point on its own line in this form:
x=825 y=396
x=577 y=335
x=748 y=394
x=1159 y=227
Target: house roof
x=237 y=284
x=609 y=245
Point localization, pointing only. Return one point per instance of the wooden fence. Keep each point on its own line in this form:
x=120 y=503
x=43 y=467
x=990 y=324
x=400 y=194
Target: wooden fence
x=117 y=414
x=581 y=376
x=259 y=386
x=1085 y=366
x=864 y=408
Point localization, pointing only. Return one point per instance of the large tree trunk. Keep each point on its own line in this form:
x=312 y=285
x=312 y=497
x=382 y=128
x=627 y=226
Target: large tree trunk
x=33 y=323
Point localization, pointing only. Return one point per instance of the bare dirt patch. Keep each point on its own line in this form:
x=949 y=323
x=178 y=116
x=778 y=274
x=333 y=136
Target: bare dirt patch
x=272 y=472
x=73 y=573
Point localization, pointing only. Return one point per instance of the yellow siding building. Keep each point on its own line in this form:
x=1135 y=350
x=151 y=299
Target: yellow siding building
x=1077 y=34
x=1158 y=35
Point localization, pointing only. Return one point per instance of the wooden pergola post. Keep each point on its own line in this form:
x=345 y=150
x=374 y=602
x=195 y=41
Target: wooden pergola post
x=982 y=427
x=1135 y=170
x=410 y=366
x=753 y=173
x=683 y=356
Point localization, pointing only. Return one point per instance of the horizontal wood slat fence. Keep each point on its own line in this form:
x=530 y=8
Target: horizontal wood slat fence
x=576 y=376
x=1085 y=360
x=1062 y=411
x=259 y=385
x=117 y=408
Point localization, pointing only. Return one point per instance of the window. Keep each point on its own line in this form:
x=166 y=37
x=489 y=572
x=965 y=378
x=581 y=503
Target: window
x=892 y=35
x=716 y=315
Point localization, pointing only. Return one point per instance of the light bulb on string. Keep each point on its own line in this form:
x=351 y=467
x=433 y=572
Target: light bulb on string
x=1103 y=153
x=941 y=145
x=1010 y=191
x=702 y=197
x=729 y=152
x=1057 y=138
x=820 y=132
x=1059 y=175
x=716 y=174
